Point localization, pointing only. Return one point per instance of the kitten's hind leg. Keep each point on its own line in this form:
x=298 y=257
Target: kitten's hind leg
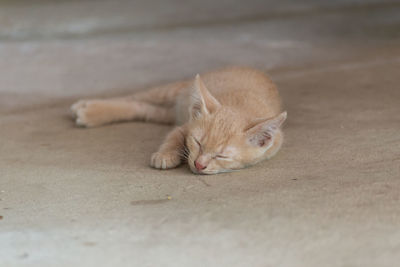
x=91 y=113
x=164 y=95
x=172 y=151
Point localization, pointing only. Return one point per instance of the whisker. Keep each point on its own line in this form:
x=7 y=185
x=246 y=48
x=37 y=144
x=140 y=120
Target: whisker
x=184 y=153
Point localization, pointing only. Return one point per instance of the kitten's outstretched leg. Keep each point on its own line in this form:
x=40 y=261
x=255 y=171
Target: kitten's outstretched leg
x=172 y=151
x=91 y=113
x=164 y=95
x=155 y=105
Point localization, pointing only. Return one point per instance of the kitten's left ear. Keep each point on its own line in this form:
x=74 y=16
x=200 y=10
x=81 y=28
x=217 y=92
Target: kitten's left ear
x=264 y=130
x=202 y=100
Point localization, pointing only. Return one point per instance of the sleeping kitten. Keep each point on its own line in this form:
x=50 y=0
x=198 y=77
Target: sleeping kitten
x=227 y=120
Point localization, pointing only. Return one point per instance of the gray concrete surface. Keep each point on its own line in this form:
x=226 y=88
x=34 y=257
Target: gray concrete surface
x=76 y=197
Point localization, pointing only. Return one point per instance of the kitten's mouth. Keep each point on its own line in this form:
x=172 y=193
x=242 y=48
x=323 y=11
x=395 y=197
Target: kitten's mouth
x=196 y=171
x=206 y=172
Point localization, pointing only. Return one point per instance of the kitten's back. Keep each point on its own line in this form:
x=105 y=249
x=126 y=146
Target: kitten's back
x=248 y=90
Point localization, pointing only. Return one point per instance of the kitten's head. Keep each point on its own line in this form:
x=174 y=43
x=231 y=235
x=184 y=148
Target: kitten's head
x=220 y=139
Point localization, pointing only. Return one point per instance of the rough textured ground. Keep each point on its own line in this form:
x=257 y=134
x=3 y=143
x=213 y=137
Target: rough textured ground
x=87 y=197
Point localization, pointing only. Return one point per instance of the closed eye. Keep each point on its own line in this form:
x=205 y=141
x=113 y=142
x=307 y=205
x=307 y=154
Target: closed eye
x=222 y=157
x=198 y=143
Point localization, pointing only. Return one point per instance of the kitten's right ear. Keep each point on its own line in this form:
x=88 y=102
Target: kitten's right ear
x=262 y=131
x=202 y=100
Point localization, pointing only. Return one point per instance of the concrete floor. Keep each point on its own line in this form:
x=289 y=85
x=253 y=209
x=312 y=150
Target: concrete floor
x=87 y=197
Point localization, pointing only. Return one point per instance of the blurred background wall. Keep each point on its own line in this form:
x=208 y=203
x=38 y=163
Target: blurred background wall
x=89 y=47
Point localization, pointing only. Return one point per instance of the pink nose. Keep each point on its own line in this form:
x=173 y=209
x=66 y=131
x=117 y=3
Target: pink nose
x=198 y=165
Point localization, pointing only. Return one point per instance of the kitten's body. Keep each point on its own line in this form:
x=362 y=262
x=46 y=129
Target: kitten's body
x=227 y=120
x=247 y=90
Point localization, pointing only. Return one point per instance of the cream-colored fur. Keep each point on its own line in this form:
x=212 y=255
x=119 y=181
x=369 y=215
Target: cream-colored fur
x=227 y=120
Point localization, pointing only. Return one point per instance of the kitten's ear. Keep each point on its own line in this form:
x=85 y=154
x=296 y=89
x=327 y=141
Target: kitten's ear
x=202 y=100
x=262 y=131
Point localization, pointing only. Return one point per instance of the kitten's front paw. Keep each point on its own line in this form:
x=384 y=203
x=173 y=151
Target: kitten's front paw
x=164 y=161
x=89 y=113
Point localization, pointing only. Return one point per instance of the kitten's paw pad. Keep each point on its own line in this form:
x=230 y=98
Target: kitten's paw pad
x=89 y=113
x=164 y=160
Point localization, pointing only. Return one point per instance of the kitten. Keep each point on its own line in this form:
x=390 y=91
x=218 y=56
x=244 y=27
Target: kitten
x=226 y=120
